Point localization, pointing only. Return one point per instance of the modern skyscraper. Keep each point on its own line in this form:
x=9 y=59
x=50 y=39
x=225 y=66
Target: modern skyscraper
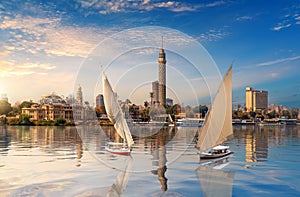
x=79 y=95
x=162 y=76
x=256 y=100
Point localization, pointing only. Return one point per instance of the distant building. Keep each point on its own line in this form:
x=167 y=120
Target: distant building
x=99 y=100
x=154 y=93
x=79 y=95
x=276 y=108
x=4 y=97
x=256 y=100
x=53 y=106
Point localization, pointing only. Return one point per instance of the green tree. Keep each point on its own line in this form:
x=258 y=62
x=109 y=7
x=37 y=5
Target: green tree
x=294 y=112
x=24 y=120
x=25 y=104
x=60 y=121
x=252 y=114
x=286 y=113
x=272 y=114
x=5 y=107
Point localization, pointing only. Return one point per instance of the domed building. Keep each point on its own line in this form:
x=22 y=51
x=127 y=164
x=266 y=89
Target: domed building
x=52 y=99
x=51 y=107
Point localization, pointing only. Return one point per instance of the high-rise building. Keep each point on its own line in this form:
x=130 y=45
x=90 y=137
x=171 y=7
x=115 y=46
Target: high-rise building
x=162 y=77
x=154 y=95
x=79 y=95
x=256 y=100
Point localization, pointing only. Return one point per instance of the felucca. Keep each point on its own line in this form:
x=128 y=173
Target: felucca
x=117 y=117
x=217 y=126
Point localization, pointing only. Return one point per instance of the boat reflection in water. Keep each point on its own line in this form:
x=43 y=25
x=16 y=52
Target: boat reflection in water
x=213 y=179
x=121 y=181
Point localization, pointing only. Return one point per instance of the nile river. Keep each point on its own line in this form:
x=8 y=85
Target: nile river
x=72 y=161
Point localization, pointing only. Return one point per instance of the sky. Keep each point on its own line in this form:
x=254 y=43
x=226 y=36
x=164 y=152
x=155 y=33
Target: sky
x=55 y=46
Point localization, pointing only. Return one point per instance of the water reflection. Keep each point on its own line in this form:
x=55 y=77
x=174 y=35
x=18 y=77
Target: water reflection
x=158 y=151
x=64 y=161
x=59 y=141
x=5 y=140
x=213 y=180
x=259 y=139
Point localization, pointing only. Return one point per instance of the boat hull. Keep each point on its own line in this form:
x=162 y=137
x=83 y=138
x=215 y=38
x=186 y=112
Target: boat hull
x=214 y=156
x=122 y=151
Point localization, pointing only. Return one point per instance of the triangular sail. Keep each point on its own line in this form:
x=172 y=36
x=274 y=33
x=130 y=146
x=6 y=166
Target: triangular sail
x=217 y=126
x=114 y=112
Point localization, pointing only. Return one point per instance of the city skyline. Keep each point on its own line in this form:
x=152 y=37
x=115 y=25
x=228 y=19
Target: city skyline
x=43 y=45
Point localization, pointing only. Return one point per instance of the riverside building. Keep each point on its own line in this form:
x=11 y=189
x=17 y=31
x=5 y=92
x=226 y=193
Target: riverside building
x=256 y=100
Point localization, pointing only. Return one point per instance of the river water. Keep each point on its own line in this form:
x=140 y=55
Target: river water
x=72 y=161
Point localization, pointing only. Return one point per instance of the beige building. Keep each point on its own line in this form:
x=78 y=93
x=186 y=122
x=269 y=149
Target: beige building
x=52 y=107
x=49 y=111
x=256 y=100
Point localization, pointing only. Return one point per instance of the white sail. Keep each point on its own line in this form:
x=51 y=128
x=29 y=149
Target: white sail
x=217 y=126
x=114 y=112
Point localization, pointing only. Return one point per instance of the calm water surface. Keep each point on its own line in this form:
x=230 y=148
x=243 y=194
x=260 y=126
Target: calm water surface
x=72 y=161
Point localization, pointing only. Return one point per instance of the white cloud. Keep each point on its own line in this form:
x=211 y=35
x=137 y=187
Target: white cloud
x=49 y=36
x=244 y=18
x=12 y=68
x=105 y=7
x=40 y=66
x=213 y=35
x=281 y=26
x=277 y=61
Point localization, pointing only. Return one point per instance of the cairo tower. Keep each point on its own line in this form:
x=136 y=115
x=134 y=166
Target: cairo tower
x=162 y=77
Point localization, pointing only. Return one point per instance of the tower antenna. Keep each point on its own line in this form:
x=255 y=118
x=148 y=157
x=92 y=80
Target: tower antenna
x=162 y=42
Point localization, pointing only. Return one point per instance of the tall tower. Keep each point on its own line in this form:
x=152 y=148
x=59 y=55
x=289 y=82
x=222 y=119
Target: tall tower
x=162 y=76
x=79 y=95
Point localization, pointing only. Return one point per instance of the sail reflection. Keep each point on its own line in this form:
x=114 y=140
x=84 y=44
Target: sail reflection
x=121 y=181
x=213 y=180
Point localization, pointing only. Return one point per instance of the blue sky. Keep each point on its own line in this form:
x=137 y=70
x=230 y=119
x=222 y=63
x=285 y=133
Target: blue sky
x=44 y=46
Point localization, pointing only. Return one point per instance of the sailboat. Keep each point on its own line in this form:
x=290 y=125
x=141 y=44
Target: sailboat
x=117 y=117
x=217 y=126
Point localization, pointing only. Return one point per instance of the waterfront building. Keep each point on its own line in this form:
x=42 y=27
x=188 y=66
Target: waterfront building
x=154 y=94
x=162 y=77
x=49 y=111
x=256 y=100
x=52 y=107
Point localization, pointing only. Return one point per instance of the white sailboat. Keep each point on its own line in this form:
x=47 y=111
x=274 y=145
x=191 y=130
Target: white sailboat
x=116 y=116
x=217 y=126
